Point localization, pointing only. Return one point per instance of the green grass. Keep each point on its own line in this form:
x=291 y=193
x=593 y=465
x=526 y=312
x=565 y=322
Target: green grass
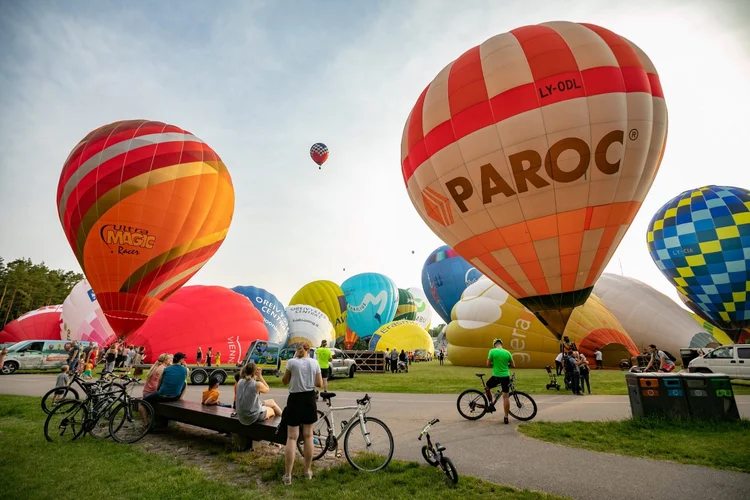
x=722 y=445
x=35 y=469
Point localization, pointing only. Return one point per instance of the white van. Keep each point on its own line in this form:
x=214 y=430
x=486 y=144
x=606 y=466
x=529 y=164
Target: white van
x=731 y=360
x=38 y=355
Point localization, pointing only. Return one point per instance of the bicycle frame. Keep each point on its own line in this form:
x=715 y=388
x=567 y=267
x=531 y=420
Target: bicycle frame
x=358 y=416
x=498 y=393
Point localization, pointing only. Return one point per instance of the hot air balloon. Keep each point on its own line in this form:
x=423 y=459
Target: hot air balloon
x=41 y=324
x=308 y=324
x=202 y=316
x=406 y=335
x=531 y=154
x=424 y=313
x=445 y=276
x=486 y=312
x=83 y=319
x=319 y=153
x=329 y=298
x=649 y=316
x=371 y=301
x=274 y=315
x=700 y=240
x=144 y=205
x=713 y=337
x=407 y=308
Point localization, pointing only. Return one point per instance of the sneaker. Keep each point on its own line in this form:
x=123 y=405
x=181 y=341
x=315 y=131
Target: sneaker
x=287 y=480
x=505 y=420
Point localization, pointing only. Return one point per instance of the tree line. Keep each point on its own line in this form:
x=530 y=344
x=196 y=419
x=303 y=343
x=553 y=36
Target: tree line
x=25 y=286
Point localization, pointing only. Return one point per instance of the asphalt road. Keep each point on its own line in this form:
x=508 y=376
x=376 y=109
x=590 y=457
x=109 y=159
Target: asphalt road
x=491 y=450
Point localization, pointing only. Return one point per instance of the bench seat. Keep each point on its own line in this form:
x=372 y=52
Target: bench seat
x=220 y=419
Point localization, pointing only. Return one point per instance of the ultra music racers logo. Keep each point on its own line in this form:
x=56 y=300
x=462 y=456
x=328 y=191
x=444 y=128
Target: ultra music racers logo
x=127 y=240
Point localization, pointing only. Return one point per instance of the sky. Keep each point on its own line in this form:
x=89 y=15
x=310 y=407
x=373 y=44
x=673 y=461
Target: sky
x=260 y=81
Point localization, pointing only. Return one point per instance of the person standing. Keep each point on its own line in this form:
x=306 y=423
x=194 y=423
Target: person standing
x=501 y=361
x=599 y=357
x=209 y=354
x=2 y=357
x=73 y=356
x=394 y=360
x=387 y=360
x=583 y=367
x=302 y=375
x=573 y=374
x=441 y=356
x=199 y=357
x=217 y=360
x=558 y=364
x=323 y=355
x=110 y=359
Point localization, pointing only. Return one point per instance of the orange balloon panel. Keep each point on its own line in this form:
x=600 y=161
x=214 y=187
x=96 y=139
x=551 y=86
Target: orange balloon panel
x=531 y=153
x=144 y=205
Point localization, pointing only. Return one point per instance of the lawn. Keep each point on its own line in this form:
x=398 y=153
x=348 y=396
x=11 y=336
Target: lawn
x=722 y=445
x=35 y=469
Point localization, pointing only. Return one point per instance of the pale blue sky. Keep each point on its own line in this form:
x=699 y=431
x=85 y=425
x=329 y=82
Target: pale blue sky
x=260 y=81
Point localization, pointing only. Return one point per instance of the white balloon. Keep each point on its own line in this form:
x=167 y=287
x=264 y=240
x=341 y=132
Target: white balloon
x=480 y=304
x=82 y=318
x=307 y=323
x=424 y=312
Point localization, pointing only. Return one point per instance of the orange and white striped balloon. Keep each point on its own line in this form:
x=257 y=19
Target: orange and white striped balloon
x=531 y=153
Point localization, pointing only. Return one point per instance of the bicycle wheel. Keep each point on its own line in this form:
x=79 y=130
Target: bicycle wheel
x=449 y=469
x=65 y=422
x=100 y=428
x=428 y=456
x=48 y=400
x=373 y=456
x=522 y=407
x=472 y=404
x=131 y=420
x=321 y=437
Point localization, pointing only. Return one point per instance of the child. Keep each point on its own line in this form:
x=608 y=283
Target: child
x=218 y=358
x=62 y=381
x=208 y=356
x=81 y=362
x=211 y=395
x=88 y=367
x=237 y=377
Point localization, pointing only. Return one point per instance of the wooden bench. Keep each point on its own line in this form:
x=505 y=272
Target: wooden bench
x=219 y=418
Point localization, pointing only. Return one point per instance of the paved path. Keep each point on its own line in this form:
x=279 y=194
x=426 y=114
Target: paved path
x=480 y=448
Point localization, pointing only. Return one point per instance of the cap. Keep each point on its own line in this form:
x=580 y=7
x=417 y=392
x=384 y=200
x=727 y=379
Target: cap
x=323 y=343
x=179 y=356
x=496 y=341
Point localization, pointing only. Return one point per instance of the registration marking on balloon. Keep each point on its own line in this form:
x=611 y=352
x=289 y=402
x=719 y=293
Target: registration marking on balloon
x=531 y=154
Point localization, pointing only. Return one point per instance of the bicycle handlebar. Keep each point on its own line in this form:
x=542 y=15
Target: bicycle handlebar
x=364 y=400
x=427 y=427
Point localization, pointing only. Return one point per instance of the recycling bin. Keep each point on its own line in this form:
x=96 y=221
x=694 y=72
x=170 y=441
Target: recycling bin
x=710 y=396
x=657 y=394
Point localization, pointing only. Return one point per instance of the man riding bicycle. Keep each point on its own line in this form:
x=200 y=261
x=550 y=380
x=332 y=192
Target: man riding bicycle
x=501 y=361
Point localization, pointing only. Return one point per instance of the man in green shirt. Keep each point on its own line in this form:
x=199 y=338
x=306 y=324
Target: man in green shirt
x=501 y=362
x=323 y=355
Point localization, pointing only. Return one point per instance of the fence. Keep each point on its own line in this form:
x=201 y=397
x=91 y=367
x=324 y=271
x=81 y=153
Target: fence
x=368 y=361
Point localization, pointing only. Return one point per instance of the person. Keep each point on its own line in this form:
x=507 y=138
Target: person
x=572 y=372
x=250 y=408
x=153 y=376
x=501 y=361
x=441 y=356
x=410 y=356
x=62 y=382
x=387 y=359
x=323 y=355
x=2 y=357
x=110 y=358
x=87 y=351
x=583 y=368
x=404 y=359
x=173 y=381
x=74 y=356
x=659 y=360
x=599 y=357
x=137 y=360
x=217 y=361
x=129 y=356
x=209 y=354
x=558 y=364
x=80 y=365
x=88 y=369
x=237 y=377
x=211 y=395
x=93 y=354
x=199 y=357
x=302 y=375
x=394 y=360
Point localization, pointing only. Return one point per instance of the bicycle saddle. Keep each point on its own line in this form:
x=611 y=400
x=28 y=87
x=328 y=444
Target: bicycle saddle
x=480 y=375
x=327 y=395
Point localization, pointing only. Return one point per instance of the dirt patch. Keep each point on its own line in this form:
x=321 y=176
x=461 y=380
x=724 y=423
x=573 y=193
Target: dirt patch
x=212 y=453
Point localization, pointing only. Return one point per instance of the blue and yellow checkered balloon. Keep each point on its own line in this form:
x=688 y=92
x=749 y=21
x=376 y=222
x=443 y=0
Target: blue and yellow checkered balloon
x=700 y=240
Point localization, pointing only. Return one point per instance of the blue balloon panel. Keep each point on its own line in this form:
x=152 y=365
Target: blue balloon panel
x=274 y=315
x=445 y=276
x=371 y=302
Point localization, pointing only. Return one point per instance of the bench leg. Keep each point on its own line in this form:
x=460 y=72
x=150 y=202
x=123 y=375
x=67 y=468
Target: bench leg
x=160 y=423
x=241 y=443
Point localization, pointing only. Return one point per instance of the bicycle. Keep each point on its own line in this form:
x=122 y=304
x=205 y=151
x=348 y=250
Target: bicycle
x=433 y=454
x=522 y=406
x=325 y=438
x=109 y=410
x=69 y=393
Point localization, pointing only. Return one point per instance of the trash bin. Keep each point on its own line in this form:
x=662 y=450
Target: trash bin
x=710 y=396
x=657 y=394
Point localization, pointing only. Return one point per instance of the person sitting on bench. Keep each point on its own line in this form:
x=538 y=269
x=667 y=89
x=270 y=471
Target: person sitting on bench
x=173 y=381
x=250 y=408
x=211 y=395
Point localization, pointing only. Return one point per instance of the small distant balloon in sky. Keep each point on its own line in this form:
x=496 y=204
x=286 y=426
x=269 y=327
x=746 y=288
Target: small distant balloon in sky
x=319 y=153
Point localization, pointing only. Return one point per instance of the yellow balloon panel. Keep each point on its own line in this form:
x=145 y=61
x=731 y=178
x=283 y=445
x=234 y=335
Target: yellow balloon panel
x=402 y=335
x=329 y=298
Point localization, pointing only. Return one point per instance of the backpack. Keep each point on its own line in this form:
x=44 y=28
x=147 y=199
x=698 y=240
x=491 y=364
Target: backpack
x=669 y=355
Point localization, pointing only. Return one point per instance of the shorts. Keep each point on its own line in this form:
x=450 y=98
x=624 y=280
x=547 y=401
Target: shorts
x=667 y=368
x=495 y=381
x=264 y=412
x=325 y=372
x=301 y=409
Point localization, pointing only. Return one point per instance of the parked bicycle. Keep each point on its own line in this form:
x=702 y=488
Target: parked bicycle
x=49 y=401
x=433 y=454
x=473 y=404
x=113 y=412
x=368 y=442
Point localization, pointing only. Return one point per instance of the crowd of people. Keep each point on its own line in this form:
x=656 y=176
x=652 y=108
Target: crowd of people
x=398 y=361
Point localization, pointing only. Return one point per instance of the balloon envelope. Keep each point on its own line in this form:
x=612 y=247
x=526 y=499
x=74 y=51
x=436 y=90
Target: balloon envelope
x=401 y=335
x=308 y=324
x=424 y=312
x=700 y=241
x=329 y=298
x=445 y=276
x=531 y=153
x=144 y=205
x=274 y=315
x=371 y=301
x=319 y=153
x=83 y=318
x=407 y=308
x=41 y=324
x=202 y=316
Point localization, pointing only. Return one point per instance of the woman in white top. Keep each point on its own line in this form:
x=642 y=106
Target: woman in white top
x=302 y=376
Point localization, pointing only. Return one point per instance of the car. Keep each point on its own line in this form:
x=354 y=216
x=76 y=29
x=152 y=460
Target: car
x=421 y=355
x=38 y=355
x=731 y=360
x=341 y=365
